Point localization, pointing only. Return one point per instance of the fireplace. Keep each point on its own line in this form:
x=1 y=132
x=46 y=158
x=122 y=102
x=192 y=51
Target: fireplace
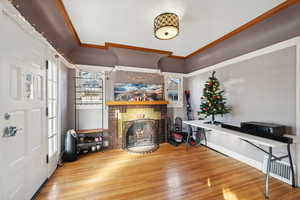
x=137 y=125
x=140 y=135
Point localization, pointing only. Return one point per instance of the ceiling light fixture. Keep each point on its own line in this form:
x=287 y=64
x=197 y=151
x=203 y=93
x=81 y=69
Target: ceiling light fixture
x=166 y=26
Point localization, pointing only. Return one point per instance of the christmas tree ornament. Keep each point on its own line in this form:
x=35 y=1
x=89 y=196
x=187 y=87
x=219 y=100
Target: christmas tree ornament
x=212 y=102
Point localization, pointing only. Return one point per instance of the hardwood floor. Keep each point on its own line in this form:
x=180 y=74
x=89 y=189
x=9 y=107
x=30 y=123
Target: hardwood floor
x=167 y=174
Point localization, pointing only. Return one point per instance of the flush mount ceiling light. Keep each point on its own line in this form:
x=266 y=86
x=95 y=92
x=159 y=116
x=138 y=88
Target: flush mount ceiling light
x=166 y=26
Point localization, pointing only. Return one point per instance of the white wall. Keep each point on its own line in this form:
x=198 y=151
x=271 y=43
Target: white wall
x=89 y=118
x=260 y=86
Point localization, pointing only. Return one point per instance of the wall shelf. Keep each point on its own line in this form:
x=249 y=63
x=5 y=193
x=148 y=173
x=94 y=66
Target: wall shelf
x=89 y=95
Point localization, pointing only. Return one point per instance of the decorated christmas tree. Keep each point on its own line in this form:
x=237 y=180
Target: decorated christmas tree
x=212 y=102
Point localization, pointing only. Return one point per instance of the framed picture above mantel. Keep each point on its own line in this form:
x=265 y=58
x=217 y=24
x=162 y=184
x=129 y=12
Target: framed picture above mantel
x=138 y=92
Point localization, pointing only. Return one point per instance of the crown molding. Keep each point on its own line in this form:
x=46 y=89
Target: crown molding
x=122 y=46
x=174 y=74
x=94 y=68
x=177 y=57
x=95 y=46
x=266 y=50
x=251 y=23
x=60 y=6
x=137 y=69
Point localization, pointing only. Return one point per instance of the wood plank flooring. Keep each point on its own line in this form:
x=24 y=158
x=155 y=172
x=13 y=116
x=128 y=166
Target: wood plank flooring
x=170 y=173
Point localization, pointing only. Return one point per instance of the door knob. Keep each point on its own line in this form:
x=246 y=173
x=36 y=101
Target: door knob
x=6 y=116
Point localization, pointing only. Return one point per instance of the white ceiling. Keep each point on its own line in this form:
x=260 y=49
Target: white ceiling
x=130 y=22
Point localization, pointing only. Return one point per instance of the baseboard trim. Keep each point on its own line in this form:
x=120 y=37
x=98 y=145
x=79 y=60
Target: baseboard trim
x=253 y=163
x=215 y=150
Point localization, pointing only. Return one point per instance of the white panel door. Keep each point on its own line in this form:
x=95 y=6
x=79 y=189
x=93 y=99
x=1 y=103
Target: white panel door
x=13 y=161
x=23 y=139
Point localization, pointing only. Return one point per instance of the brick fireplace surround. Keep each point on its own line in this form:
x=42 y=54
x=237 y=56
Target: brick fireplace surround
x=116 y=107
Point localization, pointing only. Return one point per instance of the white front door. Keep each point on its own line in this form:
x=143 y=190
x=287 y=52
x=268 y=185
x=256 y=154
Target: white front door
x=23 y=140
x=52 y=115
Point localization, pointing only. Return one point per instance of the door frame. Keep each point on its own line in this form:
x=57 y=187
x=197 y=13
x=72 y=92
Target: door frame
x=53 y=162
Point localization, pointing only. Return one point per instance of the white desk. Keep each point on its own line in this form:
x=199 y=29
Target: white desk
x=244 y=136
x=251 y=139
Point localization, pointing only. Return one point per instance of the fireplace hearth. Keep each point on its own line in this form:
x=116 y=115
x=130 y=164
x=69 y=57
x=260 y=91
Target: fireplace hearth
x=144 y=121
x=140 y=136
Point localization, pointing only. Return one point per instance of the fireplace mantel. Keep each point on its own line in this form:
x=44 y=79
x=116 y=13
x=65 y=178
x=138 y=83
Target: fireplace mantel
x=126 y=103
x=118 y=110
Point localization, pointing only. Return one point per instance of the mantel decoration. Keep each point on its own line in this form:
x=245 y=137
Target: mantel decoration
x=212 y=102
x=166 y=26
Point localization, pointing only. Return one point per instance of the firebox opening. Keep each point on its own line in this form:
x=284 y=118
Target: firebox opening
x=141 y=136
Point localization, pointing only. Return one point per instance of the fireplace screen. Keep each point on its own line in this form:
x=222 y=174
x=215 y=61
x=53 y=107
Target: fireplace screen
x=140 y=133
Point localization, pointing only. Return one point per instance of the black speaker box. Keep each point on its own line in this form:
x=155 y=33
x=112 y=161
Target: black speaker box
x=260 y=127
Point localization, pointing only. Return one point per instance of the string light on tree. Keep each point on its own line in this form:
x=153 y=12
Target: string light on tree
x=212 y=102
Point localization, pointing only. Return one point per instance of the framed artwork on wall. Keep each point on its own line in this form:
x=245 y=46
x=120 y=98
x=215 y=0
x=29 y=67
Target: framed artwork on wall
x=138 y=92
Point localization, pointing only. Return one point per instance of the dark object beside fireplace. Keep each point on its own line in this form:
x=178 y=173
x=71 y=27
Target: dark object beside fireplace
x=140 y=136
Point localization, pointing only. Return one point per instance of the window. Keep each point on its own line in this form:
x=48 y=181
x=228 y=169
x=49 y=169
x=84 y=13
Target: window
x=89 y=88
x=52 y=107
x=174 y=90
